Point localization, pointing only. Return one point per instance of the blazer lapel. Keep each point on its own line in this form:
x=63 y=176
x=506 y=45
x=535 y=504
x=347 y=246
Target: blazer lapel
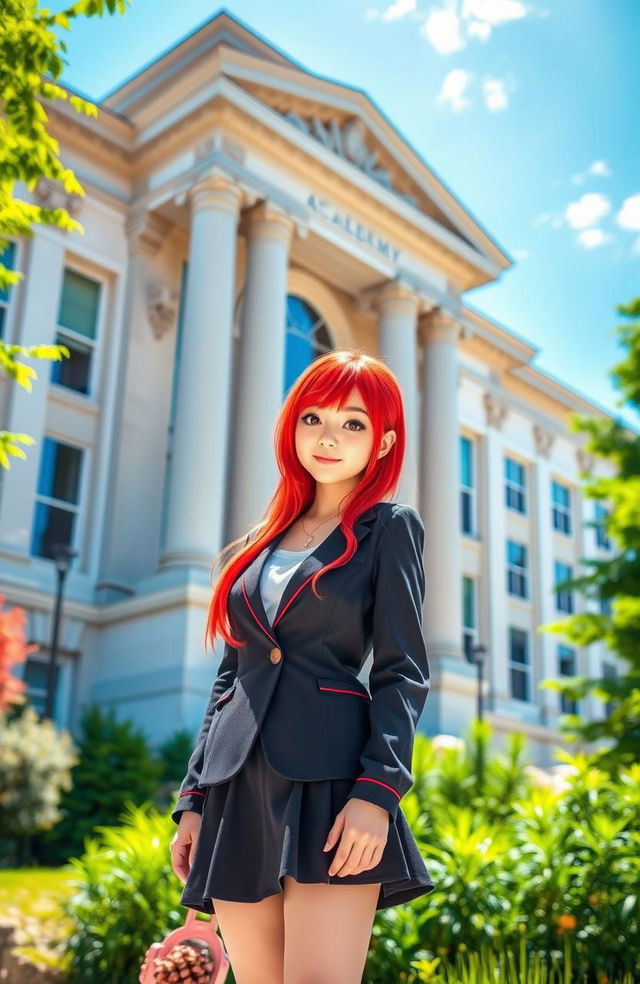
x=330 y=548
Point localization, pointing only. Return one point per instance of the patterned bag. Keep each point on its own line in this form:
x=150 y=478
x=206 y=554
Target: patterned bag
x=192 y=954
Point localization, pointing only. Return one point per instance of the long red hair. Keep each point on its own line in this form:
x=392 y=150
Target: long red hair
x=328 y=380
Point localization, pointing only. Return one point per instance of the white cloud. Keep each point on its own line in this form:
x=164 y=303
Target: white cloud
x=597 y=169
x=629 y=215
x=587 y=211
x=495 y=94
x=520 y=254
x=493 y=12
x=399 y=9
x=592 y=238
x=442 y=29
x=448 y=28
x=547 y=218
x=453 y=89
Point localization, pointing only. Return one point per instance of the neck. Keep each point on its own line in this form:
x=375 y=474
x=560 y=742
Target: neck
x=329 y=500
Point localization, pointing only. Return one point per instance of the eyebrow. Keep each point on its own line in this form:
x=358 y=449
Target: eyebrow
x=359 y=409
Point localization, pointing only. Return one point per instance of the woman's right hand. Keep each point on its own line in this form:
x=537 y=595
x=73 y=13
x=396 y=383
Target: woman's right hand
x=183 y=844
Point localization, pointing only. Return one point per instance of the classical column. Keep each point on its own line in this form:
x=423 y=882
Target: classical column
x=441 y=488
x=397 y=307
x=260 y=372
x=195 y=515
x=39 y=294
x=543 y=644
x=495 y=553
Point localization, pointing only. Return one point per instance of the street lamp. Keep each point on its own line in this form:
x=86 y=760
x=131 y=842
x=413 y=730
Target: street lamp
x=476 y=657
x=62 y=555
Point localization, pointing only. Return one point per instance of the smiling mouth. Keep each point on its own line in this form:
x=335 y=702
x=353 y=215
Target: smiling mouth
x=319 y=457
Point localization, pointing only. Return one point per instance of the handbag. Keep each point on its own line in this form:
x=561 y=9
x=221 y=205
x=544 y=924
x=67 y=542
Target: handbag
x=191 y=954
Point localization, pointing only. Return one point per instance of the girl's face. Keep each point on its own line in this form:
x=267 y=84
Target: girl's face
x=346 y=436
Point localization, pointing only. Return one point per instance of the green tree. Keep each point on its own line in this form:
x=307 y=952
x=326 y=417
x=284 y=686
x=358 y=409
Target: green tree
x=31 y=60
x=614 y=579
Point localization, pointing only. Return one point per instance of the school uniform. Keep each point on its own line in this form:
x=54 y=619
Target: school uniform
x=290 y=733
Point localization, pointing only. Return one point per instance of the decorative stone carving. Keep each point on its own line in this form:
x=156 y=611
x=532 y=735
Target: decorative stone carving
x=51 y=194
x=585 y=460
x=147 y=232
x=162 y=309
x=495 y=410
x=349 y=141
x=543 y=440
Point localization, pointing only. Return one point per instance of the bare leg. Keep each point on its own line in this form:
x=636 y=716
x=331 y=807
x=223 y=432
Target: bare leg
x=253 y=936
x=327 y=931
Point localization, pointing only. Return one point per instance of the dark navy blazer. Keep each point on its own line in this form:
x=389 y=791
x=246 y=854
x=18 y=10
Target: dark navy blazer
x=294 y=684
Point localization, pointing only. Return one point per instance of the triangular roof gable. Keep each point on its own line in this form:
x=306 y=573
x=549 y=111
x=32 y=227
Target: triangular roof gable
x=342 y=117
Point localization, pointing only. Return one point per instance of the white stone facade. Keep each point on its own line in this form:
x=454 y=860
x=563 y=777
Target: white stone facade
x=226 y=189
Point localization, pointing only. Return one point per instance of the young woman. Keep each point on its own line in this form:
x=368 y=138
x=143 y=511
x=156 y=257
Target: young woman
x=289 y=824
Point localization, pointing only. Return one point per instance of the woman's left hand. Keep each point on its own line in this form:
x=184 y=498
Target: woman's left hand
x=364 y=827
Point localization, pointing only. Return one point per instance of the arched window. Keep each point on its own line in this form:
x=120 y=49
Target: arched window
x=307 y=337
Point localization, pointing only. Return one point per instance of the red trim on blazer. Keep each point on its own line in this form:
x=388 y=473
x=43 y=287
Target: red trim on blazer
x=191 y=792
x=365 y=779
x=292 y=598
x=339 y=690
x=246 y=598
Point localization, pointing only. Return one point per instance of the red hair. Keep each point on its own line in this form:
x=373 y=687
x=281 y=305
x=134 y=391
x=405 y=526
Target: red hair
x=327 y=380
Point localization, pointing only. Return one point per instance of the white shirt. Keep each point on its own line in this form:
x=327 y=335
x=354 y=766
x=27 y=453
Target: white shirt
x=275 y=573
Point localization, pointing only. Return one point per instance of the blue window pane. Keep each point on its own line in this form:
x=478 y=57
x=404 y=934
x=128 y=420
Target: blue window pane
x=51 y=525
x=79 y=303
x=307 y=337
x=466 y=462
x=7 y=259
x=59 y=471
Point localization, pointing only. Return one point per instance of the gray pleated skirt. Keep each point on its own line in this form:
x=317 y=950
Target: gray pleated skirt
x=259 y=826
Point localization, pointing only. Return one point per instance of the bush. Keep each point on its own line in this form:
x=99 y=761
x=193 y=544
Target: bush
x=515 y=853
x=127 y=896
x=35 y=768
x=115 y=766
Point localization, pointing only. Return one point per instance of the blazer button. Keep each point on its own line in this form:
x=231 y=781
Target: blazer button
x=275 y=655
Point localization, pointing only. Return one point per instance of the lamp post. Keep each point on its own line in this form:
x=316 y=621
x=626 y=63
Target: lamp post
x=476 y=657
x=62 y=555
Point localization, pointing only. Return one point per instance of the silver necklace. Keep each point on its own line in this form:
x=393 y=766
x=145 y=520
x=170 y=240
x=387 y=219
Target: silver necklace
x=311 y=536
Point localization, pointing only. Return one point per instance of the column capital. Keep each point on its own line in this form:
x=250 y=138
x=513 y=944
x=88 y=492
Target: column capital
x=267 y=220
x=440 y=325
x=215 y=190
x=397 y=296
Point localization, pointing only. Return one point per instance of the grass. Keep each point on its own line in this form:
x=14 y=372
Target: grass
x=31 y=898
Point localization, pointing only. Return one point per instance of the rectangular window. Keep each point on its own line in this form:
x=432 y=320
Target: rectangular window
x=517 y=580
x=469 y=617
x=519 y=665
x=609 y=672
x=35 y=673
x=77 y=329
x=605 y=605
x=602 y=540
x=515 y=485
x=8 y=259
x=561 y=507
x=567 y=667
x=57 y=499
x=467 y=486
x=564 y=597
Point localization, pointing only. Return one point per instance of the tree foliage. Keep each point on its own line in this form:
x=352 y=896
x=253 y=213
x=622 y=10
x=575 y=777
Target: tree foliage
x=616 y=578
x=31 y=63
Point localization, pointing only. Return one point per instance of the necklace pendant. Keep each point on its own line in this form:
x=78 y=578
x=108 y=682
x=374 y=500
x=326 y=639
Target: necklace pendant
x=308 y=541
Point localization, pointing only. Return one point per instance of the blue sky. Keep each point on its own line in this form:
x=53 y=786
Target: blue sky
x=524 y=110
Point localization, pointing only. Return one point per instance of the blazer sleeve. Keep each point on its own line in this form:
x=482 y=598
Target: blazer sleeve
x=399 y=678
x=191 y=794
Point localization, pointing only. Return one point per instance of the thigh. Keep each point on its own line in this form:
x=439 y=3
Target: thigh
x=253 y=936
x=327 y=931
